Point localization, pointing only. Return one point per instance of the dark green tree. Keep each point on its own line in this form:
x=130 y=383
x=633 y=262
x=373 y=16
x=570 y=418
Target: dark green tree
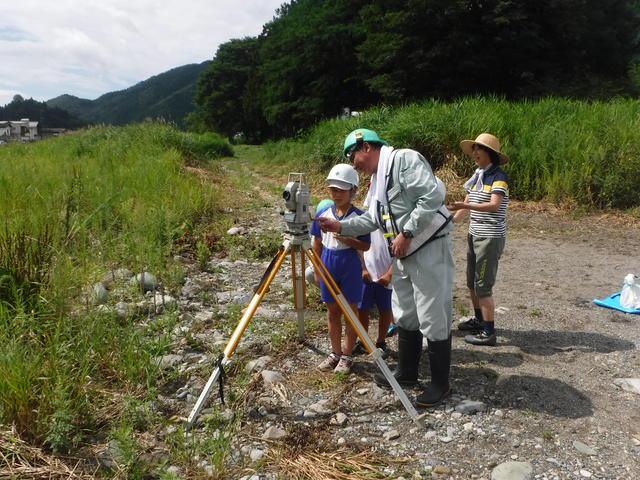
x=48 y=117
x=308 y=65
x=418 y=48
x=222 y=88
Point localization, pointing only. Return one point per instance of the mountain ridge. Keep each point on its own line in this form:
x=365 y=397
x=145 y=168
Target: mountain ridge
x=167 y=95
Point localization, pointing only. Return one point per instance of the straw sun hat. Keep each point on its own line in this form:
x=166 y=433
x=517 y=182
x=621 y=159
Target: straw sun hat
x=486 y=140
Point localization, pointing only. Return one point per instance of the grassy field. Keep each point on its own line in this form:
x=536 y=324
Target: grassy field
x=580 y=153
x=73 y=209
x=79 y=206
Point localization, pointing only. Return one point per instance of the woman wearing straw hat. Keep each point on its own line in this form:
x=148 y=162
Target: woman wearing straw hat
x=487 y=200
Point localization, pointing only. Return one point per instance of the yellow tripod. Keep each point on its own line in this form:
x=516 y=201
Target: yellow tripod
x=299 y=245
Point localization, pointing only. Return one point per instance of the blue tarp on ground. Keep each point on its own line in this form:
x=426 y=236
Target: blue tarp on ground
x=613 y=301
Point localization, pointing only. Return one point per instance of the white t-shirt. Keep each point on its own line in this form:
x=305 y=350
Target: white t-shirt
x=378 y=259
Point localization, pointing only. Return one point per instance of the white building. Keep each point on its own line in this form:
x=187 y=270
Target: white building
x=5 y=130
x=22 y=130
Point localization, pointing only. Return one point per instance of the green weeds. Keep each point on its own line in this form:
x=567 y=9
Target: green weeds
x=584 y=152
x=259 y=246
x=74 y=207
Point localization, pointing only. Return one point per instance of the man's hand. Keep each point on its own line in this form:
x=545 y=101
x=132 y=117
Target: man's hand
x=328 y=224
x=400 y=246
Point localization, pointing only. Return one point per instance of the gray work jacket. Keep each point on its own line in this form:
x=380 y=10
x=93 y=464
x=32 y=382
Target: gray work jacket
x=413 y=194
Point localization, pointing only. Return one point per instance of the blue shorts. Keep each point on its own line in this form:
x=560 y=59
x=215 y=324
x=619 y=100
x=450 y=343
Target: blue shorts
x=345 y=268
x=375 y=294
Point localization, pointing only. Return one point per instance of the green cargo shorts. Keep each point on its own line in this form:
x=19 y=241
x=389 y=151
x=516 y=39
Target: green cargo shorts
x=483 y=254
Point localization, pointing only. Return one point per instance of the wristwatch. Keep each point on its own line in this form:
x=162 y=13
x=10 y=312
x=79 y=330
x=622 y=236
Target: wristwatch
x=407 y=234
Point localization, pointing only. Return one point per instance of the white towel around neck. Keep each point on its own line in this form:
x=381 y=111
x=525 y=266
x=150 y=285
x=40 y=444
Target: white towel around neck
x=475 y=181
x=380 y=179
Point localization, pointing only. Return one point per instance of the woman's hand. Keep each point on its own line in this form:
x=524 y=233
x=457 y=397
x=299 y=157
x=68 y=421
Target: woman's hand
x=455 y=206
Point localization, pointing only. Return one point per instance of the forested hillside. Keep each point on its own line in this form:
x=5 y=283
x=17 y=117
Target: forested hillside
x=168 y=95
x=47 y=116
x=317 y=57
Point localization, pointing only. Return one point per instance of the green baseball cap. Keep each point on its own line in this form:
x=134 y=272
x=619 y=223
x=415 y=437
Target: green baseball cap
x=360 y=136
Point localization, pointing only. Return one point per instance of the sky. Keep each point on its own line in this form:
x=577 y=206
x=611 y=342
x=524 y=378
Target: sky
x=88 y=48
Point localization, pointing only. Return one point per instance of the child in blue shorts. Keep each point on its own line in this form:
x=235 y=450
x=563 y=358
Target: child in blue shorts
x=340 y=255
x=376 y=290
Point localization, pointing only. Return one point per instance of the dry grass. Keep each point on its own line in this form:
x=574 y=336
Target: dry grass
x=308 y=453
x=20 y=460
x=340 y=464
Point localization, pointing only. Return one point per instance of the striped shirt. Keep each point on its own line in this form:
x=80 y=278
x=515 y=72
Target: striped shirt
x=490 y=224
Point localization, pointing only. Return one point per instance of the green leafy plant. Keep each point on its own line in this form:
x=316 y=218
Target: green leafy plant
x=203 y=254
x=547 y=435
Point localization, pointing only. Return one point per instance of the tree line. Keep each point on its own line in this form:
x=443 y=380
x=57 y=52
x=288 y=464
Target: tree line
x=316 y=57
x=47 y=117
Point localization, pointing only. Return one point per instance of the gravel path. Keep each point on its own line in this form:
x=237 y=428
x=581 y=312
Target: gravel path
x=541 y=404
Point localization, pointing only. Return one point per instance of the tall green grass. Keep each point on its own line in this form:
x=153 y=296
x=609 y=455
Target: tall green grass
x=562 y=150
x=73 y=208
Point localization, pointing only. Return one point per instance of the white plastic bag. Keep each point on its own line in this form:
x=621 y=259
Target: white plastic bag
x=630 y=294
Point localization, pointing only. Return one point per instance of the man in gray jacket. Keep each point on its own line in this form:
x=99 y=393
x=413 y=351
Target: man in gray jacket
x=408 y=205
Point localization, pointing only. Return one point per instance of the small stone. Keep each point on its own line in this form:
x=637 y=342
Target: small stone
x=584 y=449
x=512 y=471
x=274 y=433
x=271 y=377
x=146 y=281
x=164 y=301
x=585 y=473
x=469 y=407
x=442 y=470
x=339 y=419
x=319 y=408
x=174 y=470
x=258 y=365
x=362 y=391
x=391 y=435
x=256 y=454
x=629 y=384
x=99 y=294
x=167 y=361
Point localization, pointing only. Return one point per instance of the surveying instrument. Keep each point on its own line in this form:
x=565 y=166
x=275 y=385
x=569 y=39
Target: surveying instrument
x=297 y=244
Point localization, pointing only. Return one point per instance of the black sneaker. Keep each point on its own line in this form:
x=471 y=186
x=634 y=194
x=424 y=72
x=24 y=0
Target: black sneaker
x=470 y=325
x=385 y=351
x=481 y=339
x=358 y=348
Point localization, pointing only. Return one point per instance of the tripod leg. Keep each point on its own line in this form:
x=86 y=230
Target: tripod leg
x=267 y=278
x=351 y=317
x=299 y=293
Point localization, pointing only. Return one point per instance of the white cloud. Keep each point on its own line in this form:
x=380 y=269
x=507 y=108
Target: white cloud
x=90 y=47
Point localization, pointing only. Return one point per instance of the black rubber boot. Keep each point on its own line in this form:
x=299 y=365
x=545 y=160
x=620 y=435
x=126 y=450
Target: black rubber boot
x=409 y=350
x=440 y=362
